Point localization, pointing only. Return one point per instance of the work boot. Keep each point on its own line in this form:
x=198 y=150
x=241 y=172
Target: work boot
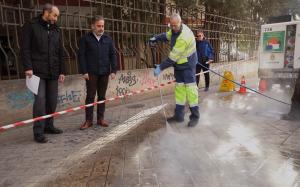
x=53 y=130
x=85 y=125
x=174 y=119
x=193 y=122
x=39 y=138
x=102 y=123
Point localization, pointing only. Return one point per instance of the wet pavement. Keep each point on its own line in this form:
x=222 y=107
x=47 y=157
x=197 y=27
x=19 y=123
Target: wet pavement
x=240 y=140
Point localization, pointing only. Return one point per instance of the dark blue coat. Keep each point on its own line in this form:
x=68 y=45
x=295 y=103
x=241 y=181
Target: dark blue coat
x=204 y=50
x=97 y=57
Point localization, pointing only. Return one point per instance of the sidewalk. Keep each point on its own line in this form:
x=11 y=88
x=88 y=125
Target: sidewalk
x=24 y=162
x=240 y=141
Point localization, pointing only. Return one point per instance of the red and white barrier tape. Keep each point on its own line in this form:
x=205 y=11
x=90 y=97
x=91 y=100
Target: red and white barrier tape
x=22 y=123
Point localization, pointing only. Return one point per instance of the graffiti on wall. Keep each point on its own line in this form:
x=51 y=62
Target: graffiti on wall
x=147 y=80
x=126 y=81
x=129 y=81
x=168 y=76
x=19 y=99
x=69 y=97
x=122 y=90
x=128 y=78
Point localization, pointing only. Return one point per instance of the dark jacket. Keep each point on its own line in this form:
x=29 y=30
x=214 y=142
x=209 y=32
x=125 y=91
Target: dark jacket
x=97 y=57
x=41 y=49
x=204 y=51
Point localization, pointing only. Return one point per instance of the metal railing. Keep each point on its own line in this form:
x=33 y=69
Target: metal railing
x=130 y=23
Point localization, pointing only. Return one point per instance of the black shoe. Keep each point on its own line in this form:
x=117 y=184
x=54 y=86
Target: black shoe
x=40 y=138
x=174 y=119
x=53 y=131
x=206 y=89
x=193 y=122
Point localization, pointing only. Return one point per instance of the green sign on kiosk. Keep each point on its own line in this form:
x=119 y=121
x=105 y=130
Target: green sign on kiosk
x=274 y=41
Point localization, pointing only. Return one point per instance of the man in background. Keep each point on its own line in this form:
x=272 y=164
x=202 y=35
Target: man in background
x=97 y=60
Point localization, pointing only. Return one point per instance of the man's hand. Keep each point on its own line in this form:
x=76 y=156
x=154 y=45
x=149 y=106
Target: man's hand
x=113 y=76
x=153 y=39
x=86 y=76
x=61 y=78
x=29 y=73
x=209 y=61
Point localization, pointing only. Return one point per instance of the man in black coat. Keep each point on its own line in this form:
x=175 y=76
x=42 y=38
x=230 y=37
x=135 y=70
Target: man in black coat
x=97 y=60
x=42 y=55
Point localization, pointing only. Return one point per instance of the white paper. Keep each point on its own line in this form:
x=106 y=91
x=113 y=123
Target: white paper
x=33 y=84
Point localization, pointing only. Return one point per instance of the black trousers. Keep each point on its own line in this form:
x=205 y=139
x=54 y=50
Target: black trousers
x=206 y=75
x=45 y=103
x=96 y=83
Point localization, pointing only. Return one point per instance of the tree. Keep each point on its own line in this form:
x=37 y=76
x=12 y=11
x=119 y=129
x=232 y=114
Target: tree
x=251 y=10
x=185 y=3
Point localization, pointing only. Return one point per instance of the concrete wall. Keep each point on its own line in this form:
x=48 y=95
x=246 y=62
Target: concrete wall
x=16 y=101
x=247 y=68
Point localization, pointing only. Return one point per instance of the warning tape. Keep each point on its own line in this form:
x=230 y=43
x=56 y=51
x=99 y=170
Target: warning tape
x=22 y=123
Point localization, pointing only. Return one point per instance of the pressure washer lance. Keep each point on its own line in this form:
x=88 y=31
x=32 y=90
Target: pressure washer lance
x=253 y=90
x=153 y=46
x=161 y=99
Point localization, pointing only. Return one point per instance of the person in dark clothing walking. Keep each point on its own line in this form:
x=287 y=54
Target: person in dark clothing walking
x=42 y=55
x=205 y=56
x=97 y=60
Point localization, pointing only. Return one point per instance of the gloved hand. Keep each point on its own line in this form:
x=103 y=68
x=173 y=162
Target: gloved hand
x=157 y=70
x=153 y=39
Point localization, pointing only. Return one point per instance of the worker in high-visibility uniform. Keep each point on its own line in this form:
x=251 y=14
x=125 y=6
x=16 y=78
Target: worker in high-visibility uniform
x=183 y=56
